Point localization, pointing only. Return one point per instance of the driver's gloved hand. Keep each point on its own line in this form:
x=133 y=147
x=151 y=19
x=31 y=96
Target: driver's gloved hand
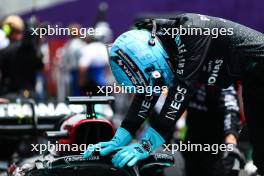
x=121 y=138
x=133 y=153
x=233 y=160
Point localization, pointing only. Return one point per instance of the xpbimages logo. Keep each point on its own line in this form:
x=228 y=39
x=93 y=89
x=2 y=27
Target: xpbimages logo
x=188 y=30
x=115 y=88
x=215 y=32
x=191 y=147
x=56 y=30
x=42 y=148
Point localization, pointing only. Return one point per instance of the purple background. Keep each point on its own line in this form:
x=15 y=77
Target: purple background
x=122 y=12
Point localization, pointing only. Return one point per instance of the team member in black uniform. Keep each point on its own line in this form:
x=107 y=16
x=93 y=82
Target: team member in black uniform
x=152 y=56
x=213 y=117
x=21 y=60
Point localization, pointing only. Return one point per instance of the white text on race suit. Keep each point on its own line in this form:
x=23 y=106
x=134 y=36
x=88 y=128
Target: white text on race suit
x=144 y=109
x=214 y=74
x=176 y=103
x=181 y=51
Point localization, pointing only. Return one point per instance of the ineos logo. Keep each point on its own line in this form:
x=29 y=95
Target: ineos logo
x=176 y=103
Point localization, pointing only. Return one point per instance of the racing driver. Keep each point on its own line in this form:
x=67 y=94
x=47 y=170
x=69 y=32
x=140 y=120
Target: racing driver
x=152 y=56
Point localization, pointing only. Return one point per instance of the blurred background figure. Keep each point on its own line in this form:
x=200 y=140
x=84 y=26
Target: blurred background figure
x=13 y=26
x=71 y=54
x=103 y=31
x=93 y=67
x=83 y=64
x=21 y=60
x=93 y=64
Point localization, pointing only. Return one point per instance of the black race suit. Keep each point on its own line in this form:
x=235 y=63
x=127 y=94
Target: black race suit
x=212 y=114
x=218 y=61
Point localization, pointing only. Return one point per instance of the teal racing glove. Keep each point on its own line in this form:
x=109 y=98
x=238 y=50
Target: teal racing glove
x=131 y=154
x=121 y=138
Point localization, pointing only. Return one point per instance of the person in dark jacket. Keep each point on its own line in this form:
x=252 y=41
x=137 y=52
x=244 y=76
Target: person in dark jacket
x=20 y=61
x=213 y=117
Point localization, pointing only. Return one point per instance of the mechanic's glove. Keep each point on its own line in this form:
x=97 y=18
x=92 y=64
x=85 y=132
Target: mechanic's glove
x=131 y=154
x=233 y=160
x=121 y=138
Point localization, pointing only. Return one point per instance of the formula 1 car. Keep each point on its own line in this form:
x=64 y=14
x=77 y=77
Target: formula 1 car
x=85 y=128
x=94 y=165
